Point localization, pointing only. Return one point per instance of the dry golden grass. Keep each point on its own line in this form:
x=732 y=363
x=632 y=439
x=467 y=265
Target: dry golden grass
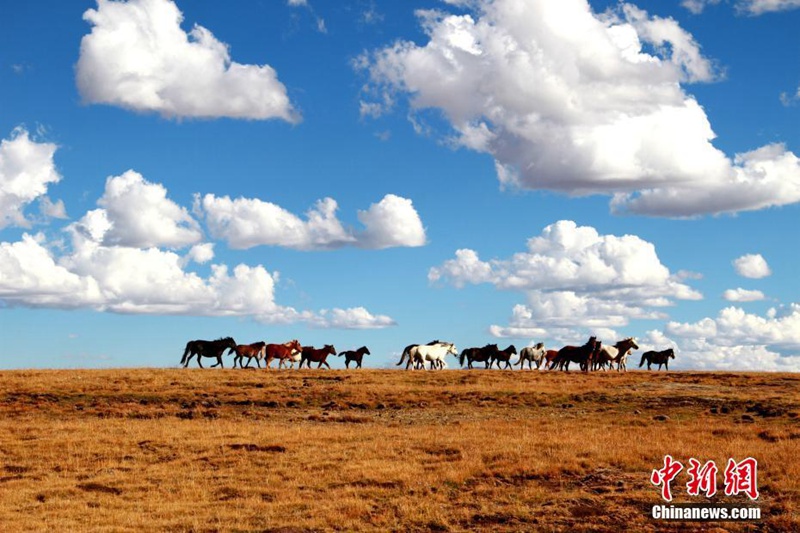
x=248 y=450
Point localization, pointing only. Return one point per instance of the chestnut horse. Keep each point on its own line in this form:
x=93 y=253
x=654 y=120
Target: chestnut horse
x=281 y=351
x=250 y=351
x=576 y=354
x=658 y=358
x=202 y=348
x=317 y=355
x=354 y=355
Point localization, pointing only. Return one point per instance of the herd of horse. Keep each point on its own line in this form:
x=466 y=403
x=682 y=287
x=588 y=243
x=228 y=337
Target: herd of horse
x=287 y=353
x=594 y=355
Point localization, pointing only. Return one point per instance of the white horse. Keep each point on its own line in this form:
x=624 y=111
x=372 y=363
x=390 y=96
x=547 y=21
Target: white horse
x=532 y=354
x=616 y=354
x=435 y=353
x=291 y=360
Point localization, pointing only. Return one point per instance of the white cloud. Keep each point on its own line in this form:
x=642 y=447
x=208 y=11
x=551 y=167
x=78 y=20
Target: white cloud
x=114 y=262
x=568 y=100
x=737 y=340
x=574 y=277
x=138 y=57
x=391 y=222
x=30 y=276
x=248 y=222
x=743 y=295
x=26 y=170
x=697 y=6
x=352 y=318
x=123 y=279
x=137 y=213
x=752 y=266
x=759 y=7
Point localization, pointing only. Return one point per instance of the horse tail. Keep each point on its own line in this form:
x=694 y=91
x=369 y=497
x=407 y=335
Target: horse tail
x=186 y=351
x=462 y=357
x=644 y=357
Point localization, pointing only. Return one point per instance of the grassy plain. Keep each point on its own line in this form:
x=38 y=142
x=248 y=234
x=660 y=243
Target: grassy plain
x=381 y=450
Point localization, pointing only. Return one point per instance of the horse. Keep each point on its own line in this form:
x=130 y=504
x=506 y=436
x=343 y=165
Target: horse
x=281 y=351
x=202 y=348
x=658 y=358
x=616 y=354
x=532 y=354
x=503 y=355
x=248 y=350
x=310 y=354
x=481 y=355
x=411 y=361
x=354 y=355
x=434 y=353
x=576 y=354
x=549 y=357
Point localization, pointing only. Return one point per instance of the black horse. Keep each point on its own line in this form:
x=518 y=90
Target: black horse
x=576 y=354
x=657 y=358
x=503 y=356
x=480 y=355
x=207 y=349
x=354 y=355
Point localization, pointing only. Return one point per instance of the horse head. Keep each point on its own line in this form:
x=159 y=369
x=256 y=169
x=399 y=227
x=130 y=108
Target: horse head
x=671 y=353
x=364 y=350
x=330 y=349
x=539 y=346
x=294 y=344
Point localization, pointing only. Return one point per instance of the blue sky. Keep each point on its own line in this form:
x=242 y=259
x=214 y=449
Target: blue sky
x=383 y=173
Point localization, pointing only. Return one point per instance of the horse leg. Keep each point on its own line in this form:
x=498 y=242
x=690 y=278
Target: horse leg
x=325 y=362
x=198 y=360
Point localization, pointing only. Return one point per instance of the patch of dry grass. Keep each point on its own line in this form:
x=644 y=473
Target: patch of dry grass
x=233 y=450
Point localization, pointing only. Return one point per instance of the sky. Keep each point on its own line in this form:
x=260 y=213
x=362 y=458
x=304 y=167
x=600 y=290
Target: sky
x=382 y=173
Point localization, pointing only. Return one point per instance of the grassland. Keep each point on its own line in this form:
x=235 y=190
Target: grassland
x=377 y=450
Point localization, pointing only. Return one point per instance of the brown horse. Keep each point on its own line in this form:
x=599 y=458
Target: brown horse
x=202 y=348
x=317 y=355
x=576 y=354
x=354 y=355
x=255 y=350
x=281 y=352
x=549 y=357
x=658 y=358
x=503 y=356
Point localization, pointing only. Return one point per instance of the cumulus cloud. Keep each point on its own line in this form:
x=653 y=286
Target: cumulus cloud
x=248 y=222
x=752 y=266
x=352 y=318
x=391 y=222
x=135 y=212
x=573 y=276
x=114 y=260
x=138 y=57
x=743 y=295
x=739 y=340
x=568 y=100
x=27 y=169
